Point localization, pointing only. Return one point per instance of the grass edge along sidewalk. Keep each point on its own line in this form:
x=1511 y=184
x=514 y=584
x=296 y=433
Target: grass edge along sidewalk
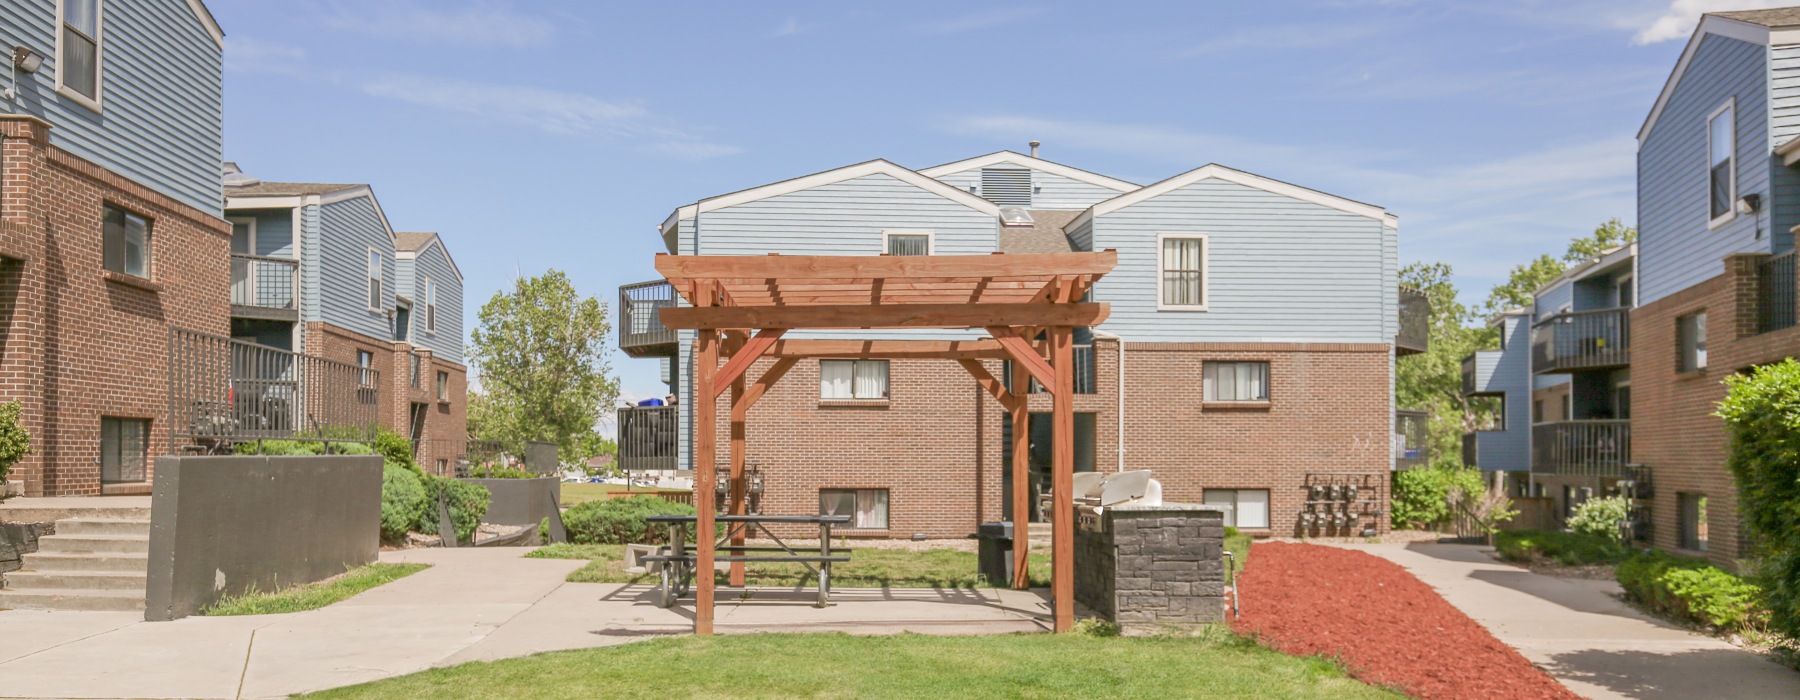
x=312 y=596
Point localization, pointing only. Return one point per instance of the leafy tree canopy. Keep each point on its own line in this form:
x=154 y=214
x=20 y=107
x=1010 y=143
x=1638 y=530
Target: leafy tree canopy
x=541 y=352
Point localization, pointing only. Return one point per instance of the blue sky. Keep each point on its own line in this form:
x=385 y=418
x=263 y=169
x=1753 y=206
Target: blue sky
x=534 y=135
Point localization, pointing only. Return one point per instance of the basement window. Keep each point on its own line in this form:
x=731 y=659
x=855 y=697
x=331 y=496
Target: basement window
x=867 y=508
x=124 y=449
x=1249 y=508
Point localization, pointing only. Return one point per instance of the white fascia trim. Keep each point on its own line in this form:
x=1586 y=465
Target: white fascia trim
x=1033 y=163
x=1709 y=24
x=1086 y=216
x=873 y=167
x=1220 y=172
x=263 y=202
x=437 y=241
x=675 y=217
x=206 y=20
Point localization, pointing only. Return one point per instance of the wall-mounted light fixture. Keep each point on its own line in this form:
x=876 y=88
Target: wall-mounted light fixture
x=26 y=61
x=1749 y=204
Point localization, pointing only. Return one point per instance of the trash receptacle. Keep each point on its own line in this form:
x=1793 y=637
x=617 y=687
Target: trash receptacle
x=994 y=553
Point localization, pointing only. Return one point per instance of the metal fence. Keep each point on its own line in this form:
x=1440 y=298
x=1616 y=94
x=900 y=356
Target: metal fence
x=649 y=438
x=1412 y=439
x=264 y=282
x=1086 y=375
x=1775 y=293
x=1599 y=448
x=223 y=391
x=640 y=322
x=1582 y=339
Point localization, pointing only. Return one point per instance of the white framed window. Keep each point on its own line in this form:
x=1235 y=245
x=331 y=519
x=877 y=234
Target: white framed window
x=1181 y=283
x=365 y=362
x=1721 y=164
x=1234 y=381
x=443 y=386
x=1249 y=508
x=430 y=306
x=853 y=380
x=374 y=270
x=124 y=449
x=907 y=242
x=125 y=238
x=1690 y=338
x=79 y=49
x=867 y=508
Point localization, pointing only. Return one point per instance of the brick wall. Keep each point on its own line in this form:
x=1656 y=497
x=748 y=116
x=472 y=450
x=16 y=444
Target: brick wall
x=81 y=343
x=445 y=421
x=936 y=444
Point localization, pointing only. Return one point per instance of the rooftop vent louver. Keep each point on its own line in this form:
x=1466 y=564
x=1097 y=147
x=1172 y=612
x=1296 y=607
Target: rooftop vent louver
x=1015 y=216
x=1006 y=186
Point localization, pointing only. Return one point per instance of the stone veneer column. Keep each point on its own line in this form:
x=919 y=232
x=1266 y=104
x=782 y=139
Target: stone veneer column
x=1151 y=569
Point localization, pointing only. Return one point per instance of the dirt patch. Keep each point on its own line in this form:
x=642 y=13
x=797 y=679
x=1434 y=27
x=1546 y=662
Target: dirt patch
x=1385 y=626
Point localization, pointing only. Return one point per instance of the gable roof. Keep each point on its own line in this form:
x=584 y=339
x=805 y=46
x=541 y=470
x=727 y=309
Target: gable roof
x=1774 y=27
x=409 y=244
x=288 y=189
x=848 y=172
x=1044 y=235
x=207 y=21
x=1015 y=158
x=1214 y=171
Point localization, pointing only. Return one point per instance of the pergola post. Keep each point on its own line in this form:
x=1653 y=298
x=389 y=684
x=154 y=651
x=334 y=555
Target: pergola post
x=1062 y=470
x=736 y=488
x=706 y=365
x=1021 y=477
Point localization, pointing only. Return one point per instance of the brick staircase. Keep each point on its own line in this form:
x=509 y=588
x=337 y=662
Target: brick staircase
x=97 y=560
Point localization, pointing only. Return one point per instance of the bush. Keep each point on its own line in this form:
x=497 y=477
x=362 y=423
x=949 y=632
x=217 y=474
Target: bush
x=467 y=502
x=15 y=442
x=1692 y=589
x=1762 y=413
x=396 y=450
x=1422 y=496
x=1600 y=517
x=302 y=448
x=489 y=471
x=1565 y=548
x=620 y=520
x=402 y=502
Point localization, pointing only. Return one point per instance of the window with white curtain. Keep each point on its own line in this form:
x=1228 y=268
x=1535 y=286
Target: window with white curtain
x=867 y=508
x=78 y=64
x=908 y=242
x=1181 y=283
x=853 y=379
x=1249 y=507
x=1235 y=381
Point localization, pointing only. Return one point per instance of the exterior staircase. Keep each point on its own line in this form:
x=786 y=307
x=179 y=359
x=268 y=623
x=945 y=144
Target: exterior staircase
x=97 y=560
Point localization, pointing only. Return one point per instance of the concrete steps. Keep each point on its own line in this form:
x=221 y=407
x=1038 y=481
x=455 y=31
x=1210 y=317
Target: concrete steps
x=95 y=561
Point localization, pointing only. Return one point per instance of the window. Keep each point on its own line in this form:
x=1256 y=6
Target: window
x=1182 y=284
x=364 y=363
x=374 y=280
x=1693 y=521
x=1249 y=508
x=907 y=242
x=124 y=449
x=853 y=379
x=1622 y=402
x=414 y=375
x=1235 y=381
x=78 y=51
x=443 y=386
x=443 y=465
x=126 y=239
x=1690 y=338
x=1721 y=176
x=867 y=508
x=430 y=306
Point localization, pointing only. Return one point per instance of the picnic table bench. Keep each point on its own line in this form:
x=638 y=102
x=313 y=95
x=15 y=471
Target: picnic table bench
x=680 y=563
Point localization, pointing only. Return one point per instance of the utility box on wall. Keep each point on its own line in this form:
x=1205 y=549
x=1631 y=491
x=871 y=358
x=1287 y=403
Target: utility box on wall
x=1152 y=569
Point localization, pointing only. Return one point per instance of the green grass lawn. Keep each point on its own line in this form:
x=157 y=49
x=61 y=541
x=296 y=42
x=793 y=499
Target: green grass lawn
x=868 y=568
x=313 y=596
x=1213 y=665
x=576 y=494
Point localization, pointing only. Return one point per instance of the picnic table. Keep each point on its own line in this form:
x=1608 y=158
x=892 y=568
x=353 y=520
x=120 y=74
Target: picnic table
x=679 y=562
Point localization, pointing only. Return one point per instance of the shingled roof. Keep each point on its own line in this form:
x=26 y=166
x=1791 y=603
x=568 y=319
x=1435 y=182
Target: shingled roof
x=412 y=241
x=1044 y=235
x=1773 y=17
x=288 y=188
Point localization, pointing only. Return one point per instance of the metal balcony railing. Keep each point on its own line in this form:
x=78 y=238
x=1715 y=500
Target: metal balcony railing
x=1086 y=375
x=649 y=438
x=1415 y=322
x=1599 y=448
x=641 y=332
x=1412 y=439
x=265 y=283
x=1581 y=340
x=1468 y=374
x=224 y=391
x=1470 y=448
x=1775 y=293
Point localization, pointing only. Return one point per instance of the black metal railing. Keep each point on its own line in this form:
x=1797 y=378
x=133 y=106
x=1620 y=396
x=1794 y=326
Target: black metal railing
x=1775 y=293
x=1468 y=374
x=649 y=438
x=1086 y=374
x=641 y=332
x=265 y=282
x=1415 y=322
x=1581 y=447
x=1471 y=445
x=223 y=391
x=1412 y=438
x=1581 y=340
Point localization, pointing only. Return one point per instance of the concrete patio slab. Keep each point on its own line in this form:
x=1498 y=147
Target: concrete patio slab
x=196 y=657
x=25 y=632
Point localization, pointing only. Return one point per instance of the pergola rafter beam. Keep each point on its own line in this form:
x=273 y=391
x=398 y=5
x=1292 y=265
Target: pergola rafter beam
x=993 y=386
x=850 y=316
x=889 y=349
x=753 y=349
x=803 y=267
x=1025 y=356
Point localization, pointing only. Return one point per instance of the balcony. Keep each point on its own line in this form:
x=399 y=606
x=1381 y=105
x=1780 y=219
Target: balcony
x=1599 y=448
x=1775 y=297
x=1415 y=323
x=649 y=438
x=1086 y=377
x=224 y=391
x=265 y=288
x=1412 y=439
x=1581 y=340
x=641 y=332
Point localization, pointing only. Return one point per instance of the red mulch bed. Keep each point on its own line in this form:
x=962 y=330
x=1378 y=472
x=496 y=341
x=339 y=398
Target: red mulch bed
x=1385 y=626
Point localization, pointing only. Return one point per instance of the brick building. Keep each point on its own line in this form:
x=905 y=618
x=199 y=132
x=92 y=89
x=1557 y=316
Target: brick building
x=1248 y=355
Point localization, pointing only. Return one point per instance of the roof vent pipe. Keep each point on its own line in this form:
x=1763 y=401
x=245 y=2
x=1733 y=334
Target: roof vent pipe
x=1034 y=146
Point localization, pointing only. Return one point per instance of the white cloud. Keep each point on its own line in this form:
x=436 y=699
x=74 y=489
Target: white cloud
x=482 y=23
x=1678 y=20
x=246 y=55
x=791 y=27
x=983 y=20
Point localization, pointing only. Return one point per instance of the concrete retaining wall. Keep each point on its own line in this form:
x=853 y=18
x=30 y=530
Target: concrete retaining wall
x=224 y=526
x=520 y=501
x=18 y=540
x=1150 y=569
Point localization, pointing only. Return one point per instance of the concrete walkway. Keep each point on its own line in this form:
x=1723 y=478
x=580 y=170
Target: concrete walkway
x=1581 y=634
x=473 y=604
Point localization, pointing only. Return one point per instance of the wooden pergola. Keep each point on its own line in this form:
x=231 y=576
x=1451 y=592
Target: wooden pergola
x=1029 y=306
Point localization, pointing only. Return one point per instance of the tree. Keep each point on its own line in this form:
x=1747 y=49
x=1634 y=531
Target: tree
x=1612 y=234
x=1762 y=413
x=541 y=354
x=1432 y=380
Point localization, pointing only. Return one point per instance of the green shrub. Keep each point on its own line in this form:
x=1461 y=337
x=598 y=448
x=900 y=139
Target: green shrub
x=620 y=520
x=1762 y=412
x=1565 y=548
x=395 y=450
x=1422 y=496
x=15 y=442
x=402 y=502
x=1600 y=517
x=1692 y=589
x=491 y=471
x=351 y=448
x=468 y=503
x=281 y=448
